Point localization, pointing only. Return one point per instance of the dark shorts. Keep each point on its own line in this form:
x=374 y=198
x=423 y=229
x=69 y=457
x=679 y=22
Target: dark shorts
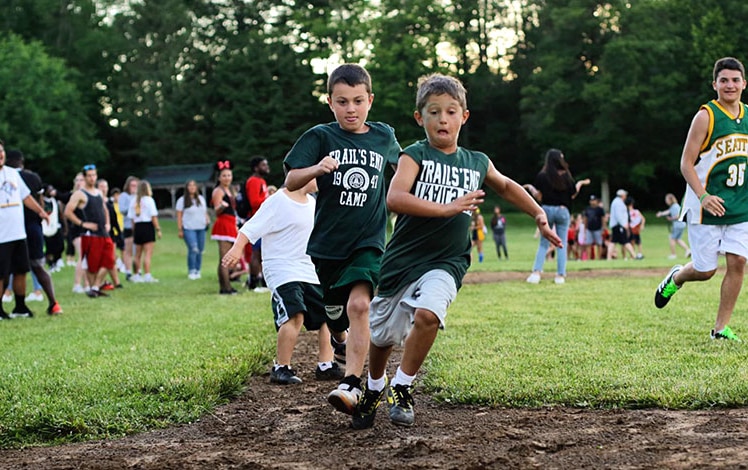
x=126 y=233
x=299 y=298
x=98 y=251
x=35 y=241
x=14 y=258
x=55 y=245
x=144 y=233
x=337 y=277
x=619 y=235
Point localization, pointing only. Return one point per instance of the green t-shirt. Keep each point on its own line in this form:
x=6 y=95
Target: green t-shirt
x=421 y=244
x=351 y=212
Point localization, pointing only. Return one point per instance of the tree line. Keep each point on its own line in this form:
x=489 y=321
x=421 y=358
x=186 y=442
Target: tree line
x=128 y=85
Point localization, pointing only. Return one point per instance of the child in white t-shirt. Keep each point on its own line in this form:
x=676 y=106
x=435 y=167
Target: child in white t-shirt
x=284 y=222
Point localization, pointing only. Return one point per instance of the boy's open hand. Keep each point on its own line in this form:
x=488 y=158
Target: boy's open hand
x=328 y=165
x=545 y=230
x=468 y=202
x=231 y=257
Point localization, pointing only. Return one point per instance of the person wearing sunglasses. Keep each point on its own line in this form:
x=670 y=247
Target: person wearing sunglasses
x=87 y=210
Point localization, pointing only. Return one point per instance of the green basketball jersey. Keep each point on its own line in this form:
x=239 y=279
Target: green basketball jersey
x=351 y=212
x=721 y=167
x=421 y=244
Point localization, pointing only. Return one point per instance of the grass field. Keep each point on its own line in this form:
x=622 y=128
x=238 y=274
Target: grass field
x=157 y=354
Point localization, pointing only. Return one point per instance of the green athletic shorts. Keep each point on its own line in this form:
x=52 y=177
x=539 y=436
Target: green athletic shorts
x=338 y=276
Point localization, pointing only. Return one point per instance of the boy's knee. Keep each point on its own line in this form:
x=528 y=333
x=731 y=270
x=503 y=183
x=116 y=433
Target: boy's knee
x=426 y=319
x=358 y=306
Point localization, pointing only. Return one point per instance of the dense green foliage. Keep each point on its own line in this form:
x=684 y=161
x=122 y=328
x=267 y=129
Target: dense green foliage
x=614 y=84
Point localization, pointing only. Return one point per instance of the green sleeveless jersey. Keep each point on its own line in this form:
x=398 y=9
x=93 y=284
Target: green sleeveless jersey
x=421 y=244
x=351 y=211
x=721 y=167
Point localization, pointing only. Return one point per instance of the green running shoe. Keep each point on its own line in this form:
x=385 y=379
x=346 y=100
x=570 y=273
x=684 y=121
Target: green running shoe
x=726 y=333
x=667 y=288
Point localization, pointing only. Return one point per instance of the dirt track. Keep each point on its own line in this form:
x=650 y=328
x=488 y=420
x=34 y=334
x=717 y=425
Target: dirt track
x=278 y=427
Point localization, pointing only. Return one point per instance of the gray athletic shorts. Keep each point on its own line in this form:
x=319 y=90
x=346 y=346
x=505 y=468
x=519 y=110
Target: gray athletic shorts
x=391 y=318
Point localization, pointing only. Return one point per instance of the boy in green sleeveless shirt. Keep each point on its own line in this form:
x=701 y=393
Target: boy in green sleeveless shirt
x=348 y=158
x=713 y=164
x=434 y=191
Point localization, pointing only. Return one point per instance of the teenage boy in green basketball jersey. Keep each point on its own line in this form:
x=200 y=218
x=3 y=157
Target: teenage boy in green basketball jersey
x=348 y=159
x=713 y=164
x=434 y=191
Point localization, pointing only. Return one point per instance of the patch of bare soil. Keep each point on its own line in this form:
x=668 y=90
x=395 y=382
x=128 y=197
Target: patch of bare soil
x=273 y=426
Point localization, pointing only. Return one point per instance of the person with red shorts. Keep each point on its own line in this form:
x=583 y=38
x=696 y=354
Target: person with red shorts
x=87 y=210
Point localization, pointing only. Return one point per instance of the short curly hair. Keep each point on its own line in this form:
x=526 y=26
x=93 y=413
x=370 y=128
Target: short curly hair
x=439 y=84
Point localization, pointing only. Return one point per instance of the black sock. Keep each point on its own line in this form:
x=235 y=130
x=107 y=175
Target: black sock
x=20 y=303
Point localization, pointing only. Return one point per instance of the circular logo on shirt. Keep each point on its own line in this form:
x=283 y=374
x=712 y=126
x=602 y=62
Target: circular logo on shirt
x=356 y=178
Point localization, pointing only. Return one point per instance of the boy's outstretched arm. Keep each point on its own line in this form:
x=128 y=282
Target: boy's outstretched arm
x=236 y=251
x=299 y=177
x=516 y=194
x=401 y=201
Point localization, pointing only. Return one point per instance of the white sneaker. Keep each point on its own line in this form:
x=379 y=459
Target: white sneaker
x=60 y=264
x=344 y=398
x=7 y=297
x=34 y=297
x=671 y=257
x=198 y=275
x=192 y=276
x=533 y=278
x=149 y=278
x=559 y=280
x=78 y=289
x=136 y=278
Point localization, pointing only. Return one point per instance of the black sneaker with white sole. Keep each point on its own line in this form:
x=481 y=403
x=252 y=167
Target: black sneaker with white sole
x=22 y=313
x=333 y=373
x=284 y=375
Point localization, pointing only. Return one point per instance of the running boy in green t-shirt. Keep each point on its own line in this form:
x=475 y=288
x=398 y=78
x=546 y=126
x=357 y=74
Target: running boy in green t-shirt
x=348 y=158
x=435 y=190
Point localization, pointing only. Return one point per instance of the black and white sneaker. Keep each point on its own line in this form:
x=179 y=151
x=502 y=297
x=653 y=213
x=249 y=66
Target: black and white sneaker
x=338 y=350
x=333 y=373
x=346 y=396
x=25 y=313
x=284 y=375
x=4 y=316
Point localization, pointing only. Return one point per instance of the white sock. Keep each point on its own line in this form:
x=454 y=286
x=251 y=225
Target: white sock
x=401 y=378
x=323 y=366
x=376 y=384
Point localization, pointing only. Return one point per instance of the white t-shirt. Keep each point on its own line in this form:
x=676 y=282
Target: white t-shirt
x=12 y=193
x=284 y=226
x=148 y=210
x=194 y=217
